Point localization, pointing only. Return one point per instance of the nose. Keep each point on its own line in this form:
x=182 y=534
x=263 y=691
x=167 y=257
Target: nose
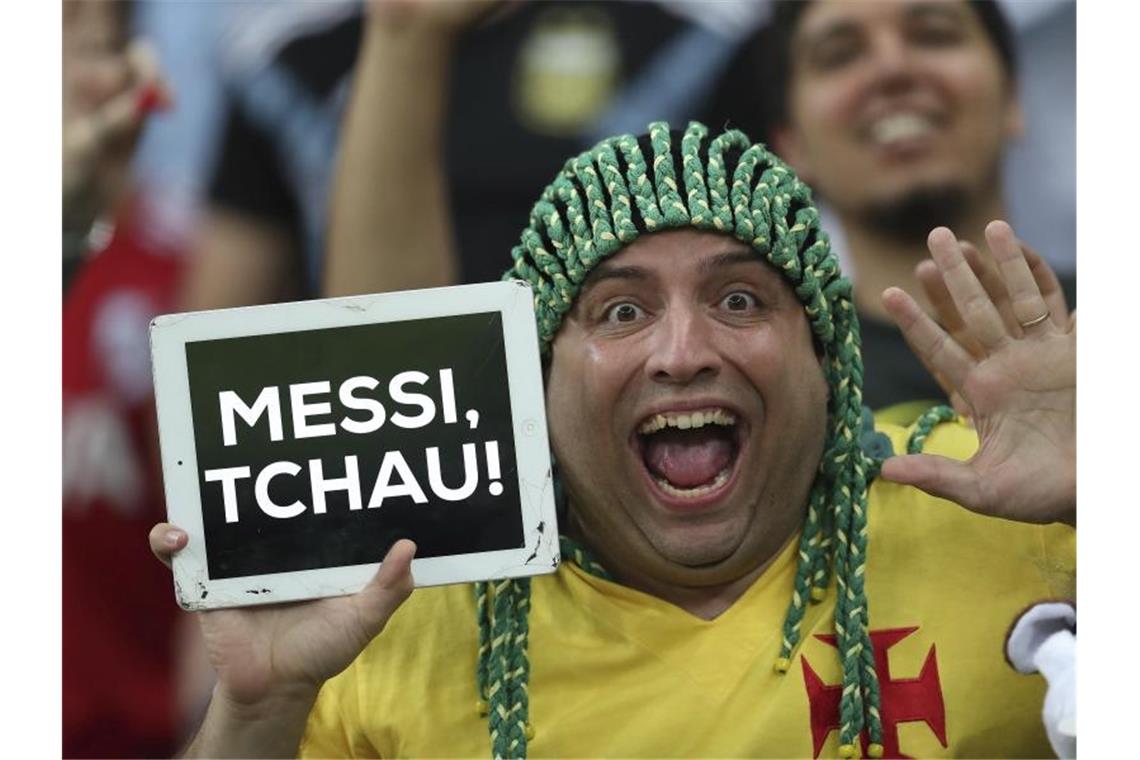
x=684 y=347
x=892 y=66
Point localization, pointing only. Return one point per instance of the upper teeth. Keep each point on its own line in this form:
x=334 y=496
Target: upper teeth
x=900 y=126
x=687 y=420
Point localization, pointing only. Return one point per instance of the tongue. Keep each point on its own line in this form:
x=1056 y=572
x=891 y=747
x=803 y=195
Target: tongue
x=688 y=458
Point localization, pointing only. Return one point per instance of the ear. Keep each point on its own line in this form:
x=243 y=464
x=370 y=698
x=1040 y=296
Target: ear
x=788 y=146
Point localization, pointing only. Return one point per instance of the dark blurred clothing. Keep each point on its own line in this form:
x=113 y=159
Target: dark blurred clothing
x=118 y=603
x=891 y=372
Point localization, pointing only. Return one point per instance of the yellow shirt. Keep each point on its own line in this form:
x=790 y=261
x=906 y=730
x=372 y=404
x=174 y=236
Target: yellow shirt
x=618 y=673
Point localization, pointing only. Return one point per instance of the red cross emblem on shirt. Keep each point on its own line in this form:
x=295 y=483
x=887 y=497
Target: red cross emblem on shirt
x=903 y=699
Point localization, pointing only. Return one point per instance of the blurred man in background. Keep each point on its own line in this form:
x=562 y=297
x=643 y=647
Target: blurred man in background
x=898 y=115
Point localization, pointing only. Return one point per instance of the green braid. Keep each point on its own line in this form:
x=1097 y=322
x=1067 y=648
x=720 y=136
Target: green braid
x=925 y=424
x=601 y=201
x=503 y=669
x=502 y=672
x=582 y=557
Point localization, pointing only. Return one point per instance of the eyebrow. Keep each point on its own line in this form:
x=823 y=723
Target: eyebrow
x=845 y=25
x=728 y=259
x=934 y=9
x=834 y=28
x=608 y=271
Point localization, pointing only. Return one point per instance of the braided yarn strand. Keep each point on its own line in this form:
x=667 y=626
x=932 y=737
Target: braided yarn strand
x=582 y=557
x=926 y=422
x=604 y=199
x=503 y=669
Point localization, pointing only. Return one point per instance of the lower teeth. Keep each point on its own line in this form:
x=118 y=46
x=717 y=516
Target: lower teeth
x=692 y=493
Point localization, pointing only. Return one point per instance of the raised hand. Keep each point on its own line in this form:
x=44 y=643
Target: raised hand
x=444 y=15
x=109 y=89
x=1010 y=363
x=260 y=652
x=985 y=268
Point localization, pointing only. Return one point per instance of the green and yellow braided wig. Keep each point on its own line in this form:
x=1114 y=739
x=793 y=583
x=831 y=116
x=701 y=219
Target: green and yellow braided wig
x=601 y=201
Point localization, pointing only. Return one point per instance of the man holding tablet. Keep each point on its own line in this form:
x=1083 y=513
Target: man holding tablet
x=749 y=566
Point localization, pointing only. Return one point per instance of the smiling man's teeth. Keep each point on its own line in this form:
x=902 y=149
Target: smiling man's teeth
x=900 y=127
x=694 y=493
x=687 y=421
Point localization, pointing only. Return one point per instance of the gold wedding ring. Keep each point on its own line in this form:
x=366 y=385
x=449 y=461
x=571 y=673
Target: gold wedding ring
x=1037 y=321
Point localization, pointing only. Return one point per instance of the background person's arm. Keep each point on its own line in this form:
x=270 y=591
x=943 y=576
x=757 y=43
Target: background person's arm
x=390 y=221
x=240 y=260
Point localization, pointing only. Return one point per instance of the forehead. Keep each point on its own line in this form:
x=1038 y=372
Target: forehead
x=678 y=256
x=824 y=17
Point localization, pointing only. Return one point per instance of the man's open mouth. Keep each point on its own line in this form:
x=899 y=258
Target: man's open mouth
x=691 y=454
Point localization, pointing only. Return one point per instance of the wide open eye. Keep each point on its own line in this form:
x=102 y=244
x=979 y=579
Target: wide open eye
x=624 y=313
x=739 y=300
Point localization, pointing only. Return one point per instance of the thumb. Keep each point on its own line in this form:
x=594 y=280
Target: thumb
x=166 y=540
x=938 y=476
x=388 y=589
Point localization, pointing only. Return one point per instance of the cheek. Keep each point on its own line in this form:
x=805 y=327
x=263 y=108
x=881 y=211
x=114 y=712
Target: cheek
x=976 y=84
x=580 y=398
x=787 y=370
x=822 y=109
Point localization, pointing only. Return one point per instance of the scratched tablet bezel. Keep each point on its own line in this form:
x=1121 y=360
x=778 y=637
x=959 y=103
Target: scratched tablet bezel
x=169 y=335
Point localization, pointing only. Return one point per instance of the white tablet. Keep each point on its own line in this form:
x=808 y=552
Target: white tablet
x=301 y=440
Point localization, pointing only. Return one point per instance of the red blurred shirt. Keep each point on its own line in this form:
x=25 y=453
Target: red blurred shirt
x=118 y=602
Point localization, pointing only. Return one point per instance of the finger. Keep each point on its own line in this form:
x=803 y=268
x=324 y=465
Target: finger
x=88 y=86
x=988 y=274
x=947 y=387
x=1048 y=284
x=930 y=277
x=1025 y=297
x=934 y=348
x=931 y=281
x=388 y=589
x=151 y=87
x=945 y=312
x=143 y=60
x=962 y=409
x=982 y=319
x=117 y=119
x=938 y=476
x=166 y=540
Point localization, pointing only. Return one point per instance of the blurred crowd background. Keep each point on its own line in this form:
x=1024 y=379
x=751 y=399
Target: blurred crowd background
x=200 y=160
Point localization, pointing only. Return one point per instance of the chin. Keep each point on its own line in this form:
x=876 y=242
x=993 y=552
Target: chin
x=700 y=547
x=911 y=213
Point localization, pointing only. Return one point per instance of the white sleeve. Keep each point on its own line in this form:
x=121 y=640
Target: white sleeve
x=1043 y=640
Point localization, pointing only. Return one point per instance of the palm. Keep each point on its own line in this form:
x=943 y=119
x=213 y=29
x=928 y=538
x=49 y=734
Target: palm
x=257 y=651
x=1017 y=384
x=1023 y=403
x=259 y=648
